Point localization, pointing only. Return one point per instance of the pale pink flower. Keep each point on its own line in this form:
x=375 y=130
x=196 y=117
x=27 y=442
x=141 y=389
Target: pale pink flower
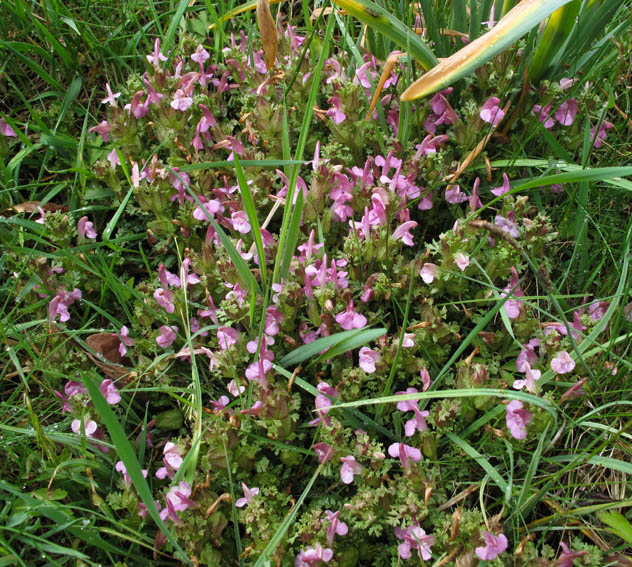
x=566 y=112
x=494 y=546
x=350 y=468
x=240 y=222
x=120 y=467
x=429 y=272
x=507 y=225
x=601 y=135
x=409 y=340
x=425 y=379
x=102 y=128
x=528 y=355
x=368 y=359
x=461 y=260
x=544 y=115
x=404 y=452
x=323 y=451
x=181 y=101
x=6 y=130
x=336 y=527
x=172 y=458
x=156 y=57
x=110 y=392
x=164 y=297
x=85 y=228
x=58 y=307
x=249 y=493
x=454 y=195
x=529 y=381
x=111 y=98
x=403 y=232
x=517 y=419
x=415 y=538
x=167 y=336
x=349 y=319
x=491 y=113
x=227 y=336
x=89 y=426
x=313 y=556
x=562 y=363
x=504 y=188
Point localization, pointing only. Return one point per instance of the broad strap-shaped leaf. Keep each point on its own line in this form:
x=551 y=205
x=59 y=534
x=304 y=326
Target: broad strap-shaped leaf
x=385 y=23
x=522 y=18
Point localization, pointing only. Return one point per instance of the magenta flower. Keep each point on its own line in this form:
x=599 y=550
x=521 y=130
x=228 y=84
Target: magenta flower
x=454 y=195
x=335 y=111
x=527 y=355
x=403 y=232
x=368 y=359
x=567 y=556
x=313 y=556
x=404 y=452
x=85 y=228
x=504 y=188
x=566 y=112
x=177 y=500
x=172 y=458
x=517 y=419
x=164 y=297
x=562 y=363
x=544 y=115
x=601 y=135
x=350 y=467
x=461 y=260
x=323 y=451
x=494 y=546
x=126 y=341
x=529 y=381
x=414 y=538
x=110 y=392
x=429 y=272
x=102 y=128
x=227 y=336
x=336 y=527
x=167 y=336
x=248 y=494
x=240 y=222
x=349 y=319
x=58 y=307
x=323 y=403
x=6 y=130
x=72 y=390
x=491 y=113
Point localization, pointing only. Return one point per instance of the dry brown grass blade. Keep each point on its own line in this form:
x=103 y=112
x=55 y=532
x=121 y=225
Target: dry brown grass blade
x=267 y=29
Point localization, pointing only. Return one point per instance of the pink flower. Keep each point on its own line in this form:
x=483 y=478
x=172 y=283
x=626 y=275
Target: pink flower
x=507 y=225
x=336 y=527
x=248 y=495
x=227 y=336
x=504 y=188
x=172 y=458
x=562 y=363
x=6 y=130
x=86 y=229
x=491 y=113
x=120 y=467
x=349 y=319
x=461 y=260
x=111 y=98
x=529 y=381
x=403 y=232
x=181 y=101
x=323 y=451
x=200 y=55
x=494 y=546
x=156 y=57
x=425 y=379
x=335 y=111
x=313 y=556
x=414 y=538
x=102 y=128
x=409 y=340
x=89 y=426
x=544 y=115
x=58 y=307
x=527 y=356
x=404 y=452
x=567 y=557
x=240 y=222
x=350 y=468
x=454 y=195
x=368 y=359
x=167 y=336
x=429 y=272
x=566 y=112
x=517 y=419
x=323 y=403
x=126 y=341
x=164 y=297
x=110 y=392
x=601 y=135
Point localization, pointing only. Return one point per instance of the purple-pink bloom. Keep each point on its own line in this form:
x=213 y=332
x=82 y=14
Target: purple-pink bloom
x=85 y=228
x=110 y=392
x=323 y=451
x=227 y=336
x=544 y=115
x=58 y=307
x=248 y=495
x=120 y=467
x=89 y=426
x=156 y=57
x=454 y=195
x=368 y=359
x=504 y=188
x=350 y=467
x=425 y=379
x=461 y=260
x=335 y=111
x=566 y=112
x=181 y=101
x=404 y=452
x=601 y=135
x=336 y=527
x=349 y=319
x=403 y=232
x=126 y=341
x=414 y=538
x=6 y=130
x=312 y=556
x=164 y=297
x=527 y=355
x=517 y=419
x=530 y=379
x=172 y=458
x=429 y=272
x=167 y=336
x=567 y=556
x=494 y=546
x=562 y=363
x=491 y=113
x=102 y=128
x=507 y=225
x=111 y=98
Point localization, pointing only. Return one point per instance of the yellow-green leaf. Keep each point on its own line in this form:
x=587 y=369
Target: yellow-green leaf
x=519 y=20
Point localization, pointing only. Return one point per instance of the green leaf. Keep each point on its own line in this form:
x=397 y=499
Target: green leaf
x=525 y=16
x=336 y=344
x=388 y=25
x=620 y=526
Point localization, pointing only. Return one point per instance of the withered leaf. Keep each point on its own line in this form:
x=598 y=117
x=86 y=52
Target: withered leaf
x=111 y=362
x=267 y=29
